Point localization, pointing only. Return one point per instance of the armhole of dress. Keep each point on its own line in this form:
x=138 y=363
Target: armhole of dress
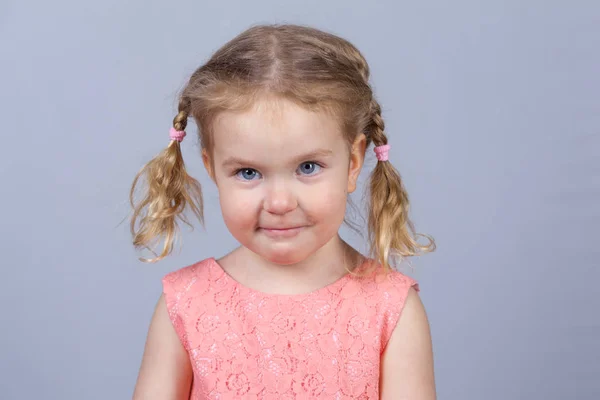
x=172 y=295
x=395 y=306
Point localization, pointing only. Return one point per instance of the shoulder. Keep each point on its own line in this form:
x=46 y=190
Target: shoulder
x=393 y=283
x=177 y=284
x=185 y=274
x=399 y=281
x=413 y=310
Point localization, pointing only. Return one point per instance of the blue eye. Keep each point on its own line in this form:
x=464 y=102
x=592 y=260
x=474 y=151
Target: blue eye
x=309 y=168
x=247 y=174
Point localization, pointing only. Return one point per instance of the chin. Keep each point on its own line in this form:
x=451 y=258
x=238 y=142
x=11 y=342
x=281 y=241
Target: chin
x=282 y=255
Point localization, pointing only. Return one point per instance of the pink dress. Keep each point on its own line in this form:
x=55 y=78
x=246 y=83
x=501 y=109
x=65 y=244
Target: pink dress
x=246 y=344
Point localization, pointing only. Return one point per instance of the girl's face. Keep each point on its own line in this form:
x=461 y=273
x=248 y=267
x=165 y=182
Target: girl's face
x=283 y=175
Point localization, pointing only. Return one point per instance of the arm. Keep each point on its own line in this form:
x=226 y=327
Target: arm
x=407 y=362
x=166 y=372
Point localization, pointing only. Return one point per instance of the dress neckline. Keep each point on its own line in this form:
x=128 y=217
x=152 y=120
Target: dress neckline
x=332 y=287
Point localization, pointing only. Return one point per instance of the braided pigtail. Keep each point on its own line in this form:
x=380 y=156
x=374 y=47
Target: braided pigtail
x=391 y=233
x=169 y=191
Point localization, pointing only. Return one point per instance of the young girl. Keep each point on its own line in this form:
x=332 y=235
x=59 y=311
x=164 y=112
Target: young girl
x=285 y=115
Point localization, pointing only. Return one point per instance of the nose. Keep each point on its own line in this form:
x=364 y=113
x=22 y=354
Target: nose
x=279 y=199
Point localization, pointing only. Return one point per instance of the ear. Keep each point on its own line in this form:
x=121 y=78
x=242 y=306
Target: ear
x=208 y=164
x=357 y=159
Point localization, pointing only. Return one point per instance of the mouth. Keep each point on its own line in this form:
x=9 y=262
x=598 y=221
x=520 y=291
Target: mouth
x=281 y=232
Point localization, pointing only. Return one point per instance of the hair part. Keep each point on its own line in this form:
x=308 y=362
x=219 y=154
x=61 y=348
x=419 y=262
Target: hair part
x=314 y=69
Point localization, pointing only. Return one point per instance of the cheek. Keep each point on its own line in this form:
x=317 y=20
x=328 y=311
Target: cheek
x=238 y=207
x=328 y=202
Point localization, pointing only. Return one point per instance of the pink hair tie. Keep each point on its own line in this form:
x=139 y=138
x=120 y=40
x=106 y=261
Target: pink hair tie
x=382 y=152
x=174 y=134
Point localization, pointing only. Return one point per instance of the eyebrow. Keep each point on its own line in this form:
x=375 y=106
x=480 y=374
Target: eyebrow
x=320 y=153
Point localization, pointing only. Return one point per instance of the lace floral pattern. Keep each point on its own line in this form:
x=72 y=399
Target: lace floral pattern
x=244 y=344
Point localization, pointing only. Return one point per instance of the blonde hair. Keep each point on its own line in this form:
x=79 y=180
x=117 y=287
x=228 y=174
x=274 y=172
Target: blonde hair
x=312 y=68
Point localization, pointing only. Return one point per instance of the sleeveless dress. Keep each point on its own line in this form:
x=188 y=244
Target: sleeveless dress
x=246 y=344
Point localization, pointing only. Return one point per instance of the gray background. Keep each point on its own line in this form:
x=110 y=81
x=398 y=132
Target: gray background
x=492 y=109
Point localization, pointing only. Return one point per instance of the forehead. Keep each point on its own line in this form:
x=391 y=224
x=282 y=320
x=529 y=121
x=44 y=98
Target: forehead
x=275 y=128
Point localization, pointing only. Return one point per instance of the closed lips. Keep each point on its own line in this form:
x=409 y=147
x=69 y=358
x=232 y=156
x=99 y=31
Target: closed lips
x=282 y=229
x=280 y=233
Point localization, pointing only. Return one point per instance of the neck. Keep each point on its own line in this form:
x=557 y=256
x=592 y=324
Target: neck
x=327 y=264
